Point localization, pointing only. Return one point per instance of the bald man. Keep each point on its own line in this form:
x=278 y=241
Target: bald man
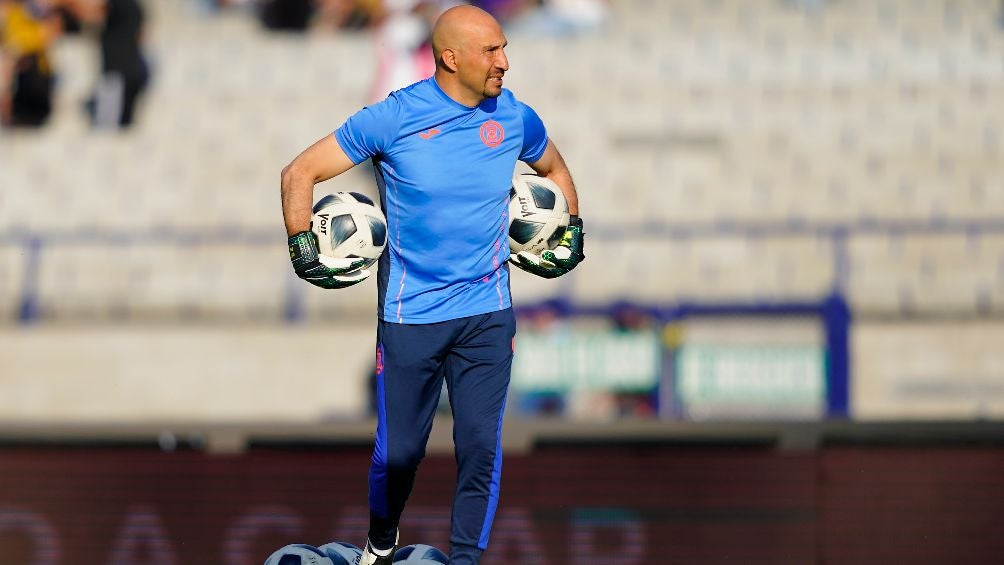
x=444 y=150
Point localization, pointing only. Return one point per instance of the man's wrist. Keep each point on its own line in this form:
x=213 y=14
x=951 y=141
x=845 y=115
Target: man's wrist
x=302 y=248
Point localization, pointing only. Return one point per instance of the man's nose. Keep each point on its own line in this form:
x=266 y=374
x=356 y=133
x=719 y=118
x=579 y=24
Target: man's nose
x=502 y=62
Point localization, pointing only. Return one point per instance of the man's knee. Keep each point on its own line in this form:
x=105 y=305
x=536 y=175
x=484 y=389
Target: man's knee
x=481 y=440
x=405 y=458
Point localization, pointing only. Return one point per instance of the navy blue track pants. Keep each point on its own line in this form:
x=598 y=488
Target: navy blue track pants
x=474 y=355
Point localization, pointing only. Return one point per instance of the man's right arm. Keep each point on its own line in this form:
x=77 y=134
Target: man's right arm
x=319 y=162
x=362 y=136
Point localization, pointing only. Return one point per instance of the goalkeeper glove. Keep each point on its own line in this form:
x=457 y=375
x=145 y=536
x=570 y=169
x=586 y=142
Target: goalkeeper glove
x=560 y=260
x=325 y=272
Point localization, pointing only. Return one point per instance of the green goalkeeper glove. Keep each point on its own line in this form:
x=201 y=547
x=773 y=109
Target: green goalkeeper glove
x=563 y=258
x=325 y=272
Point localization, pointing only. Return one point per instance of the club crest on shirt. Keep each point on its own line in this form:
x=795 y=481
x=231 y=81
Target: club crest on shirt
x=492 y=133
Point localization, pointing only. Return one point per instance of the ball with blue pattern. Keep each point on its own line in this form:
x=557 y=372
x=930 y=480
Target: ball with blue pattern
x=538 y=214
x=298 y=554
x=341 y=553
x=420 y=554
x=349 y=225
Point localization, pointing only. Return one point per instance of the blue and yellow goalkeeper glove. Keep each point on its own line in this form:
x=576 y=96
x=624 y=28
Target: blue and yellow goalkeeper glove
x=558 y=261
x=318 y=270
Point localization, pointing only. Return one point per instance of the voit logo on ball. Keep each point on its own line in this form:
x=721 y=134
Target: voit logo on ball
x=322 y=227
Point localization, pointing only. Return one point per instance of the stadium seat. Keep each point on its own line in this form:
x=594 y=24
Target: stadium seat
x=695 y=114
x=13 y=261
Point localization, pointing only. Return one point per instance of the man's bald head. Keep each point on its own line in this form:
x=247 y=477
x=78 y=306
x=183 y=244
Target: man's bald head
x=457 y=26
x=469 y=47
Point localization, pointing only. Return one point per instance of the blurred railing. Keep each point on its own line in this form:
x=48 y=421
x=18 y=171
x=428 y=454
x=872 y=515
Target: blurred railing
x=31 y=263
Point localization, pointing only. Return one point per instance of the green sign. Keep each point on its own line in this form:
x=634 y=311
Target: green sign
x=587 y=360
x=749 y=379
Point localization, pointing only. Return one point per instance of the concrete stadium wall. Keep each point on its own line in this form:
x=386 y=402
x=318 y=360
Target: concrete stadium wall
x=137 y=375
x=170 y=374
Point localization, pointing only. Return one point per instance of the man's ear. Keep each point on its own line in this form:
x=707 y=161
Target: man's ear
x=450 y=59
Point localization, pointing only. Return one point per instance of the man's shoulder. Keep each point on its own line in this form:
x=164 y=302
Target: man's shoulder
x=509 y=97
x=509 y=100
x=414 y=92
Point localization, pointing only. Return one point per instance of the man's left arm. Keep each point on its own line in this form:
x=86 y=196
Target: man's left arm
x=552 y=165
x=569 y=251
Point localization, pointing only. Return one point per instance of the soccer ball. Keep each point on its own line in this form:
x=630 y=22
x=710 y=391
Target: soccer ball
x=349 y=225
x=298 y=554
x=538 y=214
x=420 y=553
x=341 y=553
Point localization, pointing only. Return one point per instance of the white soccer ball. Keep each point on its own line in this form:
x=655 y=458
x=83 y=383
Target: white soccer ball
x=298 y=554
x=538 y=214
x=349 y=225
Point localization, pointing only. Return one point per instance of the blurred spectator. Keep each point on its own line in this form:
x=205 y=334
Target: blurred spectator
x=541 y=403
x=334 y=15
x=638 y=405
x=558 y=17
x=6 y=66
x=71 y=24
x=547 y=317
x=593 y=405
x=286 y=15
x=316 y=15
x=506 y=11
x=627 y=317
x=542 y=319
x=404 y=44
x=124 y=70
x=28 y=28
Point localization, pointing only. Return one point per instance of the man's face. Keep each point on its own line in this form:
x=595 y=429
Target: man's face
x=482 y=61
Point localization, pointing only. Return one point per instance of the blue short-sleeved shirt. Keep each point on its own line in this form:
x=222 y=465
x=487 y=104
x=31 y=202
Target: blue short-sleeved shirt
x=443 y=172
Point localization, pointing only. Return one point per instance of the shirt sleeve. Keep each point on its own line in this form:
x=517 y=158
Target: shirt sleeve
x=534 y=136
x=369 y=131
